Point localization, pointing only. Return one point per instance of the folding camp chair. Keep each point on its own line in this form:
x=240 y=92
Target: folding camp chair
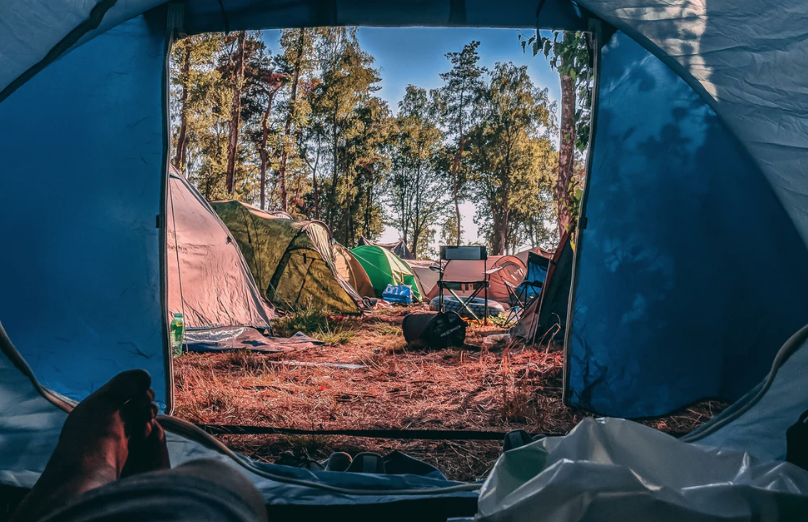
x=464 y=253
x=526 y=293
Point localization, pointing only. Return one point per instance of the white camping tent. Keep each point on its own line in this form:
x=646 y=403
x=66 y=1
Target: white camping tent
x=208 y=279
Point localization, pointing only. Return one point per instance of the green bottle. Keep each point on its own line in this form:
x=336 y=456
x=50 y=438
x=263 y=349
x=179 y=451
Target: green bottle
x=177 y=331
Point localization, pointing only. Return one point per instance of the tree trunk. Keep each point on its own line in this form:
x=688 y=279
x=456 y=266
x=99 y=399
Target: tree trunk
x=368 y=204
x=315 y=187
x=565 y=154
x=502 y=240
x=235 y=115
x=264 y=154
x=348 y=225
x=288 y=127
x=179 y=159
x=332 y=203
x=455 y=165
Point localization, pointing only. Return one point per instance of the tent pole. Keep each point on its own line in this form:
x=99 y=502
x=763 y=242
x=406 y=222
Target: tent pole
x=596 y=31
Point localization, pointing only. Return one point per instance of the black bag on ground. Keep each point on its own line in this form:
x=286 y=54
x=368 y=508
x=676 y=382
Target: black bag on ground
x=434 y=329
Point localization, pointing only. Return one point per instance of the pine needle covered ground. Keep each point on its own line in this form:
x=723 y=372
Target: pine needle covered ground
x=478 y=387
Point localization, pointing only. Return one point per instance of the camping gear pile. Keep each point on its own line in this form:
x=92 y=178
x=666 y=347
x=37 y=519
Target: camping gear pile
x=695 y=181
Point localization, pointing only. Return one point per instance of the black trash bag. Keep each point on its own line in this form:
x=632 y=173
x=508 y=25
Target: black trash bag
x=434 y=329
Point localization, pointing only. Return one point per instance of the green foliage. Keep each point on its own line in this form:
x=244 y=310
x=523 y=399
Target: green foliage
x=335 y=336
x=417 y=190
x=576 y=194
x=568 y=53
x=458 y=103
x=502 y=321
x=512 y=158
x=449 y=230
x=388 y=330
x=351 y=130
x=315 y=323
x=313 y=128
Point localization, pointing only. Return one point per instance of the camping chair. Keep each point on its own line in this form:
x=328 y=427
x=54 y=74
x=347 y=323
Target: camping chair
x=464 y=253
x=526 y=293
x=522 y=298
x=517 y=297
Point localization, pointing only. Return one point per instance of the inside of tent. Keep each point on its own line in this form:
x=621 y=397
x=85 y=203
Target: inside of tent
x=691 y=245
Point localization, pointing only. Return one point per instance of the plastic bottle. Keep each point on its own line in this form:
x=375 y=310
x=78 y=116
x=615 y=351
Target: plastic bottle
x=176 y=334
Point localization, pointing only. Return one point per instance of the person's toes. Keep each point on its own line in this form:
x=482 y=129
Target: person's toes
x=125 y=386
x=148 y=454
x=137 y=415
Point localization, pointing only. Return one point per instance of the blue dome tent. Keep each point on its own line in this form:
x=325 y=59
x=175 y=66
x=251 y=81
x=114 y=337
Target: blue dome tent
x=690 y=264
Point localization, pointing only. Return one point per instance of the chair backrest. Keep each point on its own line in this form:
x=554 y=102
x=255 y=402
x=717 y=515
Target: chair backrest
x=463 y=253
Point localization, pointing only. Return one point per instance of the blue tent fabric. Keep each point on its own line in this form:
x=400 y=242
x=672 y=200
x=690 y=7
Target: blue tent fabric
x=690 y=270
x=80 y=193
x=757 y=422
x=747 y=61
x=690 y=275
x=34 y=31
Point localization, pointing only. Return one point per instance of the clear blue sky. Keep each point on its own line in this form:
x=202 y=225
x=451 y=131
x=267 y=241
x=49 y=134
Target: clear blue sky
x=415 y=55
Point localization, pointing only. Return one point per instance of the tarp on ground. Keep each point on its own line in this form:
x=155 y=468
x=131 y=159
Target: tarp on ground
x=209 y=281
x=236 y=338
x=292 y=261
x=385 y=268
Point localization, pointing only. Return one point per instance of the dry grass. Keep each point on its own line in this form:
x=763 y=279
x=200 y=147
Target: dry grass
x=472 y=388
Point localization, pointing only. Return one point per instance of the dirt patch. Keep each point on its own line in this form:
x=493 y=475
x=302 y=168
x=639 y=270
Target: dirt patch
x=471 y=388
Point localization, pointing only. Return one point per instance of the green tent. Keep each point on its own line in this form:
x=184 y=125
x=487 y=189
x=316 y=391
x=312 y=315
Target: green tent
x=385 y=268
x=292 y=261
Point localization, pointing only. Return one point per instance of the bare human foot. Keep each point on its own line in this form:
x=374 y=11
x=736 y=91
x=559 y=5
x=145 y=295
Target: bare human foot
x=111 y=433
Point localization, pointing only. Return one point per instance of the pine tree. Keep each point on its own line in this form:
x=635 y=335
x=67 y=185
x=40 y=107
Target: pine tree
x=416 y=188
x=510 y=152
x=460 y=94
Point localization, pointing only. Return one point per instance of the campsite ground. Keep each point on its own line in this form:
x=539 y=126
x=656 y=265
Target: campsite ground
x=478 y=387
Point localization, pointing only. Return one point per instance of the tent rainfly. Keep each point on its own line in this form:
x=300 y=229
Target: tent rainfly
x=399 y=248
x=292 y=261
x=385 y=268
x=695 y=179
x=350 y=269
x=208 y=279
x=427 y=274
